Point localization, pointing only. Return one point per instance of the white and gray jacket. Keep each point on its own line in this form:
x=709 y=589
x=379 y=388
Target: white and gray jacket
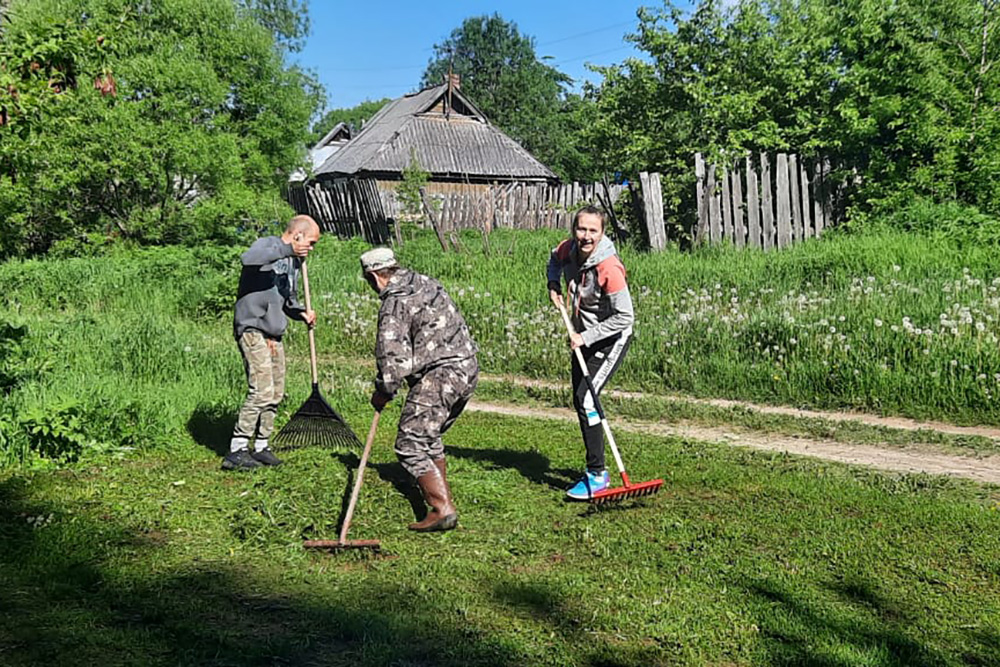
x=598 y=290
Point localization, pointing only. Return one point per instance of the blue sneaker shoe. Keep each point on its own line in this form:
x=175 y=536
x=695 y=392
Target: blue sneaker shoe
x=589 y=485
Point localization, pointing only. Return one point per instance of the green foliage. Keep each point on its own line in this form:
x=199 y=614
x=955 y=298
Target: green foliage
x=57 y=431
x=354 y=117
x=182 y=120
x=519 y=93
x=414 y=178
x=901 y=90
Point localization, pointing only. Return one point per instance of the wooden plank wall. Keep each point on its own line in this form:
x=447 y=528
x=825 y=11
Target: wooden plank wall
x=344 y=207
x=368 y=207
x=765 y=201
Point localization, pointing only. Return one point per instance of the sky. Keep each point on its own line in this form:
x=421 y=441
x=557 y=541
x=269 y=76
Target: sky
x=380 y=48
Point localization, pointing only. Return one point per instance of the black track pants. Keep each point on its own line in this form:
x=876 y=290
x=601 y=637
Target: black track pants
x=603 y=359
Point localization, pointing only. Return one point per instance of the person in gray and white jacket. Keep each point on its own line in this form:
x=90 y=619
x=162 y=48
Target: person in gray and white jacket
x=265 y=301
x=601 y=312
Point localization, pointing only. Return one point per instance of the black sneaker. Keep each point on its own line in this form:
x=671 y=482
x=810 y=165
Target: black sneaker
x=266 y=457
x=241 y=460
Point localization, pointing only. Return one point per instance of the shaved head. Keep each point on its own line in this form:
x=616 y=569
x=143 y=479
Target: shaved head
x=301 y=224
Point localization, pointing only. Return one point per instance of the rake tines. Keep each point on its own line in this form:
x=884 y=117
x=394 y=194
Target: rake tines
x=626 y=492
x=316 y=424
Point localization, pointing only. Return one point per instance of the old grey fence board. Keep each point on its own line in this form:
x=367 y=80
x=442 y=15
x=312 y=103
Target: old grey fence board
x=738 y=228
x=766 y=205
x=791 y=199
x=784 y=211
x=753 y=206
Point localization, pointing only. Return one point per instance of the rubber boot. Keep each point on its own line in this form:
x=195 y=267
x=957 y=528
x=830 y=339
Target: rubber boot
x=442 y=514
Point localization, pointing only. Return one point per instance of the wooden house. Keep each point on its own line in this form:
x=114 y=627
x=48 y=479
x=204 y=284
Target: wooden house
x=466 y=157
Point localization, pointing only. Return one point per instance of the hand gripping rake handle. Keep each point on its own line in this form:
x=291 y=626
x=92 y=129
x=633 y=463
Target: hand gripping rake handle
x=356 y=491
x=312 y=333
x=593 y=395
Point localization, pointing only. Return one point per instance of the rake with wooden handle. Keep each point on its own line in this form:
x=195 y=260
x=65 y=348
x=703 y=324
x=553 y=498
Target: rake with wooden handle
x=315 y=423
x=343 y=543
x=630 y=489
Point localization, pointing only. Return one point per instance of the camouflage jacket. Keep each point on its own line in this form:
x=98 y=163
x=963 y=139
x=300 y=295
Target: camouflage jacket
x=419 y=328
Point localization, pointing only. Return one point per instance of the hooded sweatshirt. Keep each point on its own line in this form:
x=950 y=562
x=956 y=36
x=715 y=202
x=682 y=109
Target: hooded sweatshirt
x=419 y=329
x=266 y=296
x=598 y=292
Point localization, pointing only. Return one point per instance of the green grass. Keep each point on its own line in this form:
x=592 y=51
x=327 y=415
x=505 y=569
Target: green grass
x=743 y=558
x=121 y=542
x=662 y=410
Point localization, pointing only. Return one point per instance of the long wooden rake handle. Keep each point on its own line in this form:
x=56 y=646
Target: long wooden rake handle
x=312 y=333
x=593 y=395
x=356 y=491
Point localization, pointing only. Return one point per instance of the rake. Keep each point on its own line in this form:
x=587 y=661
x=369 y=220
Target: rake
x=630 y=489
x=343 y=544
x=315 y=423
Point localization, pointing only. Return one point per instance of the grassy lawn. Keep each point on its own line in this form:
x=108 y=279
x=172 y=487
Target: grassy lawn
x=122 y=543
x=743 y=558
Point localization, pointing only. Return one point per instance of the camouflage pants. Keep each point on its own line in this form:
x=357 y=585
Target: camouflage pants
x=264 y=361
x=432 y=406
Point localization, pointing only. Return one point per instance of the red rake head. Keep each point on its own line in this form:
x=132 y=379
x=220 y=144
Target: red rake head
x=610 y=495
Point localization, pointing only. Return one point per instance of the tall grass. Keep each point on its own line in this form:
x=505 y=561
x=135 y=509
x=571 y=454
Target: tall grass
x=904 y=324
x=122 y=350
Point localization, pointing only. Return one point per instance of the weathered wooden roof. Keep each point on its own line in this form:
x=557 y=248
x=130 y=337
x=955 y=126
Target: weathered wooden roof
x=463 y=144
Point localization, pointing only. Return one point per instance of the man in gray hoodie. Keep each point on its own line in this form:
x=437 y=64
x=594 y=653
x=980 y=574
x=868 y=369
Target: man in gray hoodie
x=265 y=301
x=601 y=311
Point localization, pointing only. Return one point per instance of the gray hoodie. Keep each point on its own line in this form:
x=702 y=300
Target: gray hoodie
x=598 y=292
x=266 y=296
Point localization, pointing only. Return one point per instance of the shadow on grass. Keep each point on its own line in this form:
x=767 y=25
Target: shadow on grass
x=211 y=426
x=802 y=630
x=533 y=465
x=79 y=591
x=559 y=612
x=392 y=473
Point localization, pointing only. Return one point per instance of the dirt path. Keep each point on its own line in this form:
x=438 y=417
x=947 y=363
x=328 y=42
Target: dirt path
x=915 y=459
x=902 y=423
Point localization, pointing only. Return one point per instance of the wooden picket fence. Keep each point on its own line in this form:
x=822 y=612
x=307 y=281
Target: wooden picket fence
x=788 y=200
x=370 y=208
x=344 y=207
x=512 y=205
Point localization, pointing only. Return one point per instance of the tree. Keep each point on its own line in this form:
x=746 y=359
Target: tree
x=167 y=121
x=354 y=117
x=288 y=20
x=504 y=77
x=905 y=91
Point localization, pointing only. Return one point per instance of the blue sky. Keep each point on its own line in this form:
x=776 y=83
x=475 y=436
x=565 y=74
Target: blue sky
x=380 y=48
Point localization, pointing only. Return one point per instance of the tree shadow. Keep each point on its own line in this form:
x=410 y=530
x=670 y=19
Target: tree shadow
x=211 y=426
x=77 y=591
x=569 y=619
x=532 y=465
x=800 y=631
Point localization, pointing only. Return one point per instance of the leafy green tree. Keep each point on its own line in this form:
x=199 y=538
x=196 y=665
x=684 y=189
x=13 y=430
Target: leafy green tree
x=904 y=90
x=288 y=20
x=166 y=121
x=354 y=117
x=519 y=93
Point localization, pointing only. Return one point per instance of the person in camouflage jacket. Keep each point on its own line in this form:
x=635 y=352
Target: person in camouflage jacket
x=423 y=341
